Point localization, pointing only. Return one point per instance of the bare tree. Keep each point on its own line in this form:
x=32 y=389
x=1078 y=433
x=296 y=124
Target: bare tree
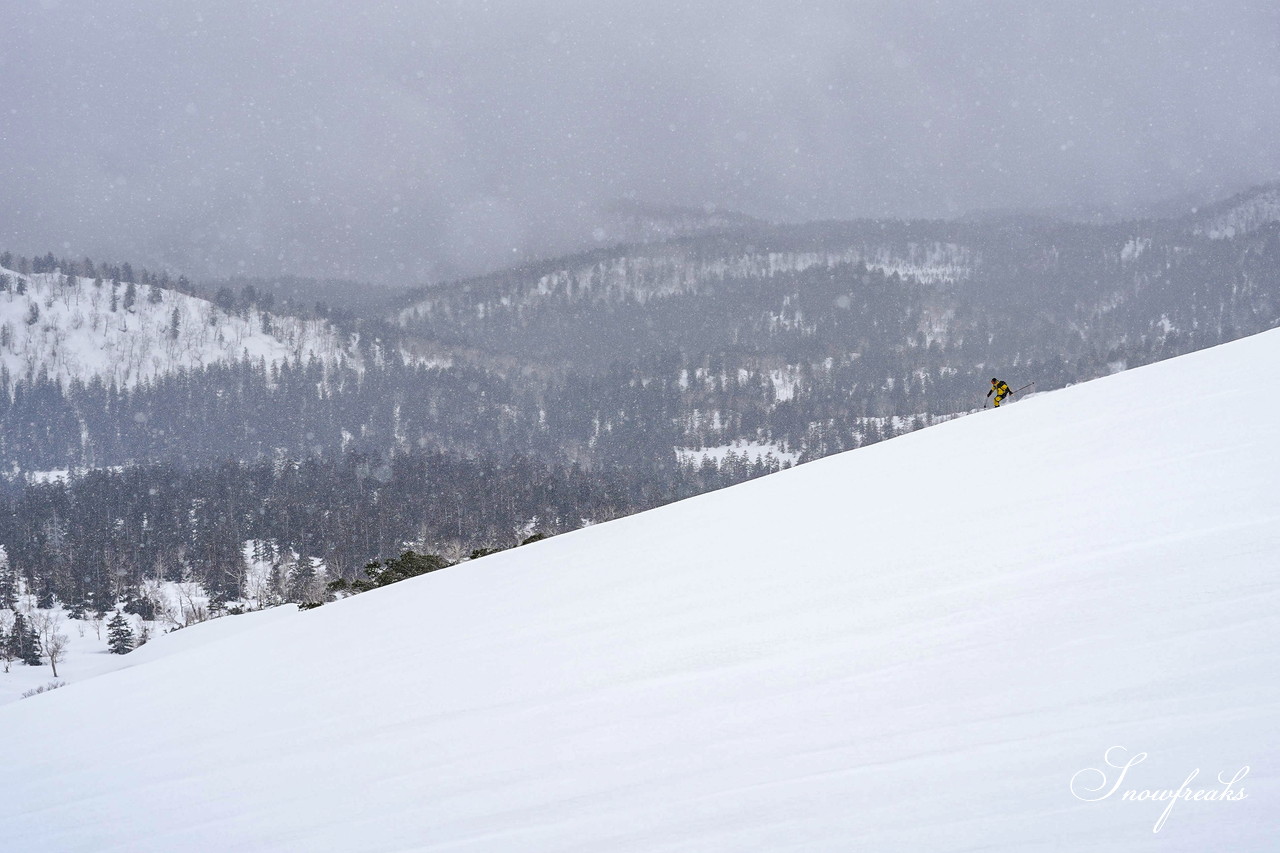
x=52 y=641
x=7 y=649
x=164 y=609
x=55 y=648
x=193 y=609
x=257 y=583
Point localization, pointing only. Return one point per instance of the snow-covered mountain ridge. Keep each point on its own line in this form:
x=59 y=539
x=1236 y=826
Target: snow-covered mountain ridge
x=915 y=646
x=657 y=272
x=80 y=328
x=1241 y=215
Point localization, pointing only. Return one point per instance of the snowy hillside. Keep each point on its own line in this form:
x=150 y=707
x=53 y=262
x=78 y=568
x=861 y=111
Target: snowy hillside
x=87 y=655
x=84 y=328
x=929 y=644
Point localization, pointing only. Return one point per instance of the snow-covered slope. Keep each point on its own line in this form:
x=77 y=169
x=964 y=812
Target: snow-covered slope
x=916 y=646
x=79 y=328
x=87 y=654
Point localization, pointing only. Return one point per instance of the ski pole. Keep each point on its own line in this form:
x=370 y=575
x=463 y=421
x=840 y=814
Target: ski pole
x=1028 y=385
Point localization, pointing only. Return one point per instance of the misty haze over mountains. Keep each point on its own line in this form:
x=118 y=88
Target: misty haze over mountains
x=413 y=143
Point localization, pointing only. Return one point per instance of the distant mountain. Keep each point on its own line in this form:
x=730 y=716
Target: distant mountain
x=687 y=293
x=1240 y=215
x=823 y=336
x=795 y=340
x=625 y=221
x=1172 y=208
x=1006 y=291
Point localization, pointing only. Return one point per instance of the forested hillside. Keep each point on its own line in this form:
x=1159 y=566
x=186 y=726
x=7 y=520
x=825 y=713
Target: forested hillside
x=102 y=538
x=630 y=370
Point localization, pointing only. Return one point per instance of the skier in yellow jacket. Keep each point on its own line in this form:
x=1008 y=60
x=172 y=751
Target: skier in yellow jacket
x=1000 y=389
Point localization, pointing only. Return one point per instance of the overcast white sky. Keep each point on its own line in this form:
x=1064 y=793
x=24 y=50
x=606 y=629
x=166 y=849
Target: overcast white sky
x=410 y=141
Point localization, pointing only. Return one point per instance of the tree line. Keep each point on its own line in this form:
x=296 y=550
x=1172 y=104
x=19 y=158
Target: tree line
x=96 y=540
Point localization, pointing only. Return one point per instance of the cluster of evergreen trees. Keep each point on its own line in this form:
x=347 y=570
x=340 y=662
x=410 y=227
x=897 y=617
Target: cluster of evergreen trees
x=86 y=268
x=19 y=642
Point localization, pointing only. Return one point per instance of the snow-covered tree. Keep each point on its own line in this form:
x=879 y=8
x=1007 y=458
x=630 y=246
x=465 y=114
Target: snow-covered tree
x=47 y=624
x=303 y=585
x=8 y=653
x=8 y=583
x=23 y=643
x=120 y=639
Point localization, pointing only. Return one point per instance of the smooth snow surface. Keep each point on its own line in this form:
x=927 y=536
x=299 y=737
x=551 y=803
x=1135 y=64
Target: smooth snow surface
x=911 y=647
x=87 y=654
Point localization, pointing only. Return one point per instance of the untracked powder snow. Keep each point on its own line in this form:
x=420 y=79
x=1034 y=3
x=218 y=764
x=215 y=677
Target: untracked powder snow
x=956 y=640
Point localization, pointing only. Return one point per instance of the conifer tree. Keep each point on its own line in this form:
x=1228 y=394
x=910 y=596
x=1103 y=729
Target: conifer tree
x=120 y=639
x=302 y=581
x=7 y=654
x=12 y=646
x=31 y=646
x=24 y=642
x=8 y=585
